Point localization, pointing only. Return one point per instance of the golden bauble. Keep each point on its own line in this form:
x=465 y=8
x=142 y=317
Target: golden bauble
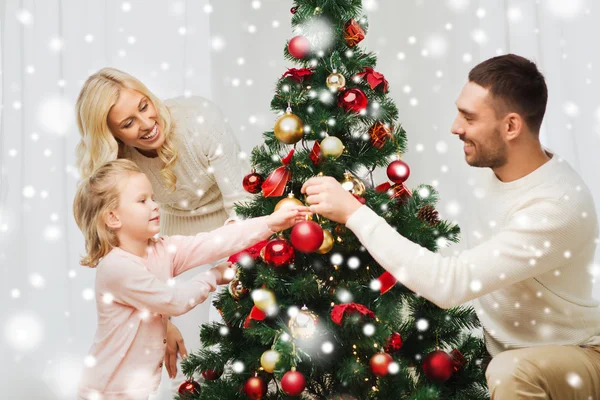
x=288 y=202
x=332 y=146
x=269 y=360
x=304 y=324
x=353 y=185
x=289 y=128
x=264 y=299
x=237 y=289
x=335 y=82
x=328 y=242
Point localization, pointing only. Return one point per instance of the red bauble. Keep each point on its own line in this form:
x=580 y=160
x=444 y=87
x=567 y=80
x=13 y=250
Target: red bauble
x=211 y=374
x=299 y=47
x=188 y=389
x=252 y=182
x=307 y=236
x=380 y=363
x=278 y=253
x=255 y=388
x=353 y=100
x=398 y=171
x=294 y=9
x=293 y=383
x=438 y=366
x=394 y=343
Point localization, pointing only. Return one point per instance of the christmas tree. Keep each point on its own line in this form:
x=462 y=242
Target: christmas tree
x=310 y=313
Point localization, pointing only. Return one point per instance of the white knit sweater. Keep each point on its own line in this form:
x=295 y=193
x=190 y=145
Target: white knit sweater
x=209 y=169
x=530 y=282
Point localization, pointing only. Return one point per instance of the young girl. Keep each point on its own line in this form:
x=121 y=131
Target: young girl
x=135 y=289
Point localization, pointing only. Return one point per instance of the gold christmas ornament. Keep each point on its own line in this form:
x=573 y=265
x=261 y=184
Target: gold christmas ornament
x=237 y=289
x=328 y=242
x=264 y=299
x=353 y=184
x=269 y=360
x=289 y=128
x=332 y=146
x=288 y=202
x=304 y=324
x=336 y=82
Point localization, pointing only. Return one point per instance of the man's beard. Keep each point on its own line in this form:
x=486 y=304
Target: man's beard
x=492 y=156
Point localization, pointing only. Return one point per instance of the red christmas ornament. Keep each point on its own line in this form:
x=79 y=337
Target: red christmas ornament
x=294 y=9
x=338 y=312
x=297 y=75
x=353 y=100
x=374 y=78
x=438 y=366
x=275 y=184
x=380 y=363
x=394 y=343
x=211 y=374
x=299 y=47
x=278 y=253
x=361 y=199
x=188 y=389
x=380 y=133
x=255 y=388
x=307 y=236
x=253 y=252
x=293 y=383
x=252 y=182
x=353 y=33
x=398 y=171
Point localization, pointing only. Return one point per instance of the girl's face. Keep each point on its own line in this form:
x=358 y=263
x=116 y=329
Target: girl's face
x=134 y=120
x=138 y=214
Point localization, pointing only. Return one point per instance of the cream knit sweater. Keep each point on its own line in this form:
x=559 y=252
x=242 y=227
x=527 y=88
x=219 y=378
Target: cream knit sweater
x=209 y=169
x=530 y=282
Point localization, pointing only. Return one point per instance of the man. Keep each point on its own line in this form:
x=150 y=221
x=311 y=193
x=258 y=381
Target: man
x=529 y=283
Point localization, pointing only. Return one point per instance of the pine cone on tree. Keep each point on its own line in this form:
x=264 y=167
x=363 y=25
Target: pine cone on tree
x=429 y=215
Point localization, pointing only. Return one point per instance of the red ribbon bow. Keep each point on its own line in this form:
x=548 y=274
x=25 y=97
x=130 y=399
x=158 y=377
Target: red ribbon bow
x=274 y=185
x=338 y=312
x=297 y=74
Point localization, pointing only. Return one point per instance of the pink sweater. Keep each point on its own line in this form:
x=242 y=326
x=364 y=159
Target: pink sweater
x=135 y=296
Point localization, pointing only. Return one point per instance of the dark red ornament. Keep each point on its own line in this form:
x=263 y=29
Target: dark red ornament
x=307 y=236
x=398 y=171
x=293 y=383
x=353 y=100
x=252 y=182
x=255 y=388
x=315 y=153
x=278 y=253
x=299 y=47
x=458 y=360
x=380 y=133
x=374 y=78
x=394 y=343
x=386 y=282
x=353 y=33
x=380 y=364
x=253 y=252
x=294 y=9
x=188 y=389
x=211 y=374
x=438 y=366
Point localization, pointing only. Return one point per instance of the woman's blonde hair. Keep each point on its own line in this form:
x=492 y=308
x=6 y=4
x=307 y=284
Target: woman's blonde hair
x=95 y=197
x=98 y=145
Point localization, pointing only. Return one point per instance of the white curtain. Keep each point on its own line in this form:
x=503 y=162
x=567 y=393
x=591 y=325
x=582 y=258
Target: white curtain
x=231 y=51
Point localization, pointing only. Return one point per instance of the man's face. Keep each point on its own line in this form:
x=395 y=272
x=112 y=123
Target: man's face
x=479 y=127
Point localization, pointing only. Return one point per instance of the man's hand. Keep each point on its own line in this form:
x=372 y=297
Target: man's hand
x=328 y=198
x=174 y=345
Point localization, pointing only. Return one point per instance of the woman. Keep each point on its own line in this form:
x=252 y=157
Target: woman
x=188 y=152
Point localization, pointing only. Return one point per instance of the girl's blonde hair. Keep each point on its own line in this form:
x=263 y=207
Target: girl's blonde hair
x=98 y=145
x=95 y=197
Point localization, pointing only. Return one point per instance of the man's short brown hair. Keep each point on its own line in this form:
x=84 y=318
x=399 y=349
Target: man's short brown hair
x=516 y=85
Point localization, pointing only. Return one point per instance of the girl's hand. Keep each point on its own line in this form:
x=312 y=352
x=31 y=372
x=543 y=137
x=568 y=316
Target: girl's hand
x=224 y=273
x=174 y=345
x=285 y=218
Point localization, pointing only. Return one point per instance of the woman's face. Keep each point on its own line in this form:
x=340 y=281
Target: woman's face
x=134 y=120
